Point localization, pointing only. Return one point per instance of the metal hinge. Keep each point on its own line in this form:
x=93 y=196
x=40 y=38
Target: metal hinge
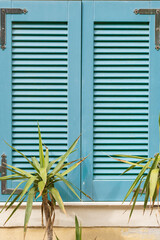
x=3 y=171
x=155 y=12
x=3 y=12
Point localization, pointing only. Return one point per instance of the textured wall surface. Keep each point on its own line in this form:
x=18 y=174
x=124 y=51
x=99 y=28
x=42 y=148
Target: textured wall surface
x=89 y=214
x=88 y=233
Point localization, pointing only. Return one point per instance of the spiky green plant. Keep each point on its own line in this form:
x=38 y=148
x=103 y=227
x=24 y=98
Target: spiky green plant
x=148 y=179
x=78 y=229
x=41 y=182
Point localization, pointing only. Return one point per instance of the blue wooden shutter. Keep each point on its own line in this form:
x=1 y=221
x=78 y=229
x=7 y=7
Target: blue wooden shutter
x=40 y=81
x=120 y=82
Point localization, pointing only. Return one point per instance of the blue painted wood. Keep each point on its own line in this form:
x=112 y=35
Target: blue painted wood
x=87 y=97
x=42 y=71
x=74 y=86
x=5 y=95
x=154 y=92
x=120 y=104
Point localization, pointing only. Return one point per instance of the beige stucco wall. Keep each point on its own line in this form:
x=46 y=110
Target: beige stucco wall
x=106 y=221
x=88 y=233
x=89 y=214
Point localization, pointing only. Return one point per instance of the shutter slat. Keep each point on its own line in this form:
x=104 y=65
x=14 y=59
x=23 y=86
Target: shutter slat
x=38 y=50
x=122 y=81
x=121 y=99
x=40 y=87
x=35 y=153
x=39 y=32
x=122 y=25
x=121 y=50
x=42 y=56
x=46 y=135
x=37 y=25
x=43 y=123
x=39 y=99
x=50 y=62
x=125 y=123
x=39 y=81
x=40 y=69
x=130 y=62
x=31 y=141
x=119 y=56
x=119 y=68
x=53 y=112
x=43 y=129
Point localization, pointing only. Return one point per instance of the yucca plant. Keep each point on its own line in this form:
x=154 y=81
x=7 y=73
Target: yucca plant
x=41 y=182
x=147 y=181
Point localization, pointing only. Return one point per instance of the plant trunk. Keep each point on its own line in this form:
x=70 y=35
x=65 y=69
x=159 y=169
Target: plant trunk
x=48 y=211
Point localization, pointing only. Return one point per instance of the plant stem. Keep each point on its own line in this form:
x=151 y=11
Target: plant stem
x=48 y=216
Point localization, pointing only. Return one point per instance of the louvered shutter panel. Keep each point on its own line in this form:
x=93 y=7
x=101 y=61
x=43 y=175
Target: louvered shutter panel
x=120 y=108
x=41 y=82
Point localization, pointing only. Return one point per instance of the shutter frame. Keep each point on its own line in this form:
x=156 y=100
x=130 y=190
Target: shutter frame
x=110 y=190
x=52 y=12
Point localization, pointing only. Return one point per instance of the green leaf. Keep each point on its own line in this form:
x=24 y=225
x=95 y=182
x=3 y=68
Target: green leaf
x=135 y=199
x=56 y=160
x=130 y=156
x=131 y=167
x=137 y=179
x=69 y=163
x=146 y=198
x=81 y=191
x=135 y=192
x=27 y=186
x=35 y=162
x=15 y=209
x=58 y=199
x=67 y=184
x=73 y=167
x=154 y=199
x=53 y=162
x=41 y=186
x=124 y=161
x=11 y=195
x=13 y=201
x=41 y=154
x=23 y=173
x=153 y=181
x=10 y=177
x=43 y=174
x=21 y=154
x=64 y=157
x=18 y=173
x=46 y=158
x=78 y=229
x=56 y=237
x=154 y=165
x=29 y=207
